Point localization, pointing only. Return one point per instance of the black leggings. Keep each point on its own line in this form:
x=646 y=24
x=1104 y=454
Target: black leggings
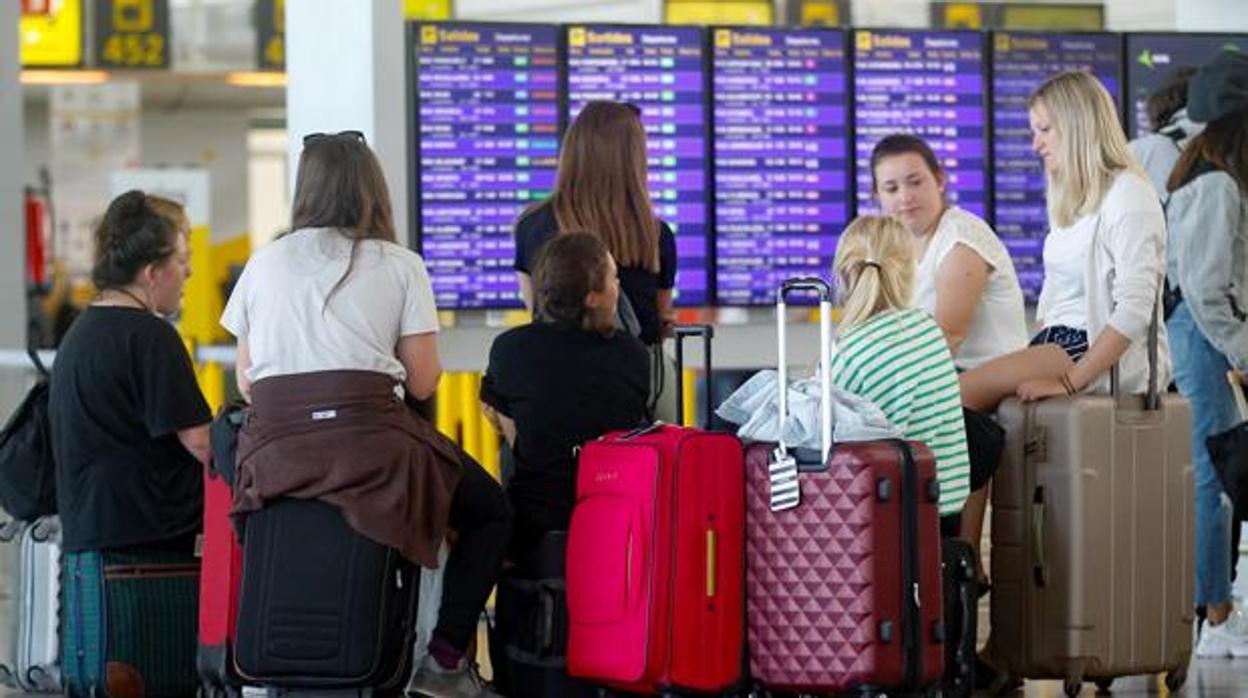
x=481 y=516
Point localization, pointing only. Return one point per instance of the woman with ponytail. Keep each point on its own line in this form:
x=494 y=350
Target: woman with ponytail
x=895 y=355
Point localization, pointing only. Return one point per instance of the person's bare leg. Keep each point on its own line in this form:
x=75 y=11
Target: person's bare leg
x=973 y=511
x=986 y=385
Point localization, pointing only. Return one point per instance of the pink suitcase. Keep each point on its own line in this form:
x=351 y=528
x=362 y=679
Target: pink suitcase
x=655 y=560
x=844 y=589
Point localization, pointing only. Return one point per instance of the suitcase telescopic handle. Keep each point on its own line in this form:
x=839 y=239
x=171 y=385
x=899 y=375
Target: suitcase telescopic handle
x=1237 y=388
x=806 y=283
x=706 y=332
x=1152 y=396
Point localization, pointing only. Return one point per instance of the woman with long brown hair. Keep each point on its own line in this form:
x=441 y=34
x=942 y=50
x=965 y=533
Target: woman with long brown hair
x=602 y=187
x=335 y=321
x=1207 y=276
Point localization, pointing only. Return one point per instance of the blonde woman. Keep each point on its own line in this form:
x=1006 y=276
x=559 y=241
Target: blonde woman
x=1104 y=257
x=895 y=355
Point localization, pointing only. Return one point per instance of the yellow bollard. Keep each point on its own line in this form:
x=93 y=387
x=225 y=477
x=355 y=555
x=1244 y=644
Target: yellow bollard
x=489 y=447
x=469 y=411
x=444 y=409
x=201 y=302
x=689 y=411
x=212 y=384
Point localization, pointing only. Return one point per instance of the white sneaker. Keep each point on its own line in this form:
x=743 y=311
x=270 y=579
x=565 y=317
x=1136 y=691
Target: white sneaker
x=1228 y=639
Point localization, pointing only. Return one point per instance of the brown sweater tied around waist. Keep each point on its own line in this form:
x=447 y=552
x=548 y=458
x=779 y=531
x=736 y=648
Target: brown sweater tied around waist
x=345 y=438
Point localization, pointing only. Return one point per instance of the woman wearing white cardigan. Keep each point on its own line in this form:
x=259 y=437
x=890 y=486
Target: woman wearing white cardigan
x=1104 y=258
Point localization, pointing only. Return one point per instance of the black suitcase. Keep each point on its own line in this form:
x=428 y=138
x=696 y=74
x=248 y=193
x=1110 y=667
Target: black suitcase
x=528 y=641
x=321 y=606
x=961 y=596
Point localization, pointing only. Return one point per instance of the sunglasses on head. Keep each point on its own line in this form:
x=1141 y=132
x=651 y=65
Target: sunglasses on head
x=349 y=135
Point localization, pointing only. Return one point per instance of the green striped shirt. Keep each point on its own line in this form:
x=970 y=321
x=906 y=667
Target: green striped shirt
x=899 y=360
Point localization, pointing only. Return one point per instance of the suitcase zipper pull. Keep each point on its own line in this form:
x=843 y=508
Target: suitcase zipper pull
x=914 y=588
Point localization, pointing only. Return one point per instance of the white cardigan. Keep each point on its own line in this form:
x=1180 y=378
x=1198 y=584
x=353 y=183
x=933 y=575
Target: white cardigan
x=1123 y=279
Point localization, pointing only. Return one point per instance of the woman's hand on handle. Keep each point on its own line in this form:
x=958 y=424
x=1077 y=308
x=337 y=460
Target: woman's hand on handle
x=1041 y=388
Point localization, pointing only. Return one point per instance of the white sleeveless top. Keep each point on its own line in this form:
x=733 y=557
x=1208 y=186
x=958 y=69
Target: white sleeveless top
x=999 y=325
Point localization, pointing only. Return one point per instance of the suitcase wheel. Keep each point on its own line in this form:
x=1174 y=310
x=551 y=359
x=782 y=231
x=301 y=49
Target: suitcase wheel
x=1072 y=687
x=39 y=678
x=1104 y=685
x=6 y=677
x=1176 y=679
x=8 y=532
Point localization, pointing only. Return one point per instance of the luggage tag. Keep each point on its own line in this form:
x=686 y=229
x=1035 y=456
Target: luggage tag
x=784 y=489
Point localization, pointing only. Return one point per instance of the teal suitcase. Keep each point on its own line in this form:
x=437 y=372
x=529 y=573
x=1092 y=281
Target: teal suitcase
x=130 y=623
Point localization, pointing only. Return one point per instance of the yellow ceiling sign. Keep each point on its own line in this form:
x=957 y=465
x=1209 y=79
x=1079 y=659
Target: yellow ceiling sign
x=963 y=15
x=53 y=39
x=1053 y=17
x=827 y=14
x=742 y=12
x=427 y=9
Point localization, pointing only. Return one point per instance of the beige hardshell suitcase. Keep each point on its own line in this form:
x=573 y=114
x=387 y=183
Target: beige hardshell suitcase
x=1093 y=561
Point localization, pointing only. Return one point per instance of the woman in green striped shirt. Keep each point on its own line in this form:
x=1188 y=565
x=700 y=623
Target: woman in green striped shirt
x=896 y=356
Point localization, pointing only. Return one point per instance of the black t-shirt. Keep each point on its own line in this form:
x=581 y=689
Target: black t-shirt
x=122 y=387
x=562 y=386
x=641 y=285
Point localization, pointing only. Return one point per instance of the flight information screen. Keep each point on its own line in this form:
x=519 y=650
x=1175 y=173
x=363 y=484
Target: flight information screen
x=488 y=122
x=781 y=157
x=661 y=71
x=930 y=84
x=1152 y=58
x=1020 y=63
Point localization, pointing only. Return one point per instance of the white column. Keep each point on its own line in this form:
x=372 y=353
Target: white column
x=345 y=70
x=1211 y=16
x=12 y=216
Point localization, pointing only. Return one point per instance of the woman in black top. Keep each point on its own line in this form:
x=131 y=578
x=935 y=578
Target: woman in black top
x=564 y=379
x=129 y=424
x=602 y=187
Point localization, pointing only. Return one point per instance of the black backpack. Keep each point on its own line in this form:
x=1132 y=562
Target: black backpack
x=27 y=471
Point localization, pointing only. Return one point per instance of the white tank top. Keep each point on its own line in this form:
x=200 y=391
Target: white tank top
x=999 y=325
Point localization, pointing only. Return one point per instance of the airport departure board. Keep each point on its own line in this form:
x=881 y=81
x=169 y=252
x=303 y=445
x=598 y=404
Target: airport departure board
x=781 y=129
x=1020 y=63
x=930 y=84
x=1152 y=58
x=661 y=70
x=488 y=127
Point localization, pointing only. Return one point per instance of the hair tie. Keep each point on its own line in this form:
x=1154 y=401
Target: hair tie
x=870 y=263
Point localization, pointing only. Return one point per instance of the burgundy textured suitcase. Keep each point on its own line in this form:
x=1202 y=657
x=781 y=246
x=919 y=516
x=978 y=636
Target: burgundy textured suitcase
x=843 y=588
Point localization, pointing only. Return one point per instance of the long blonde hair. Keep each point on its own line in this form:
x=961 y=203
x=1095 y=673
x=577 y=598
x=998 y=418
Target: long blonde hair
x=601 y=183
x=1093 y=148
x=874 y=268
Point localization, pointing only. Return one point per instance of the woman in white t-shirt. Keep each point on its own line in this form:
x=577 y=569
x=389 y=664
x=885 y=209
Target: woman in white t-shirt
x=335 y=323
x=965 y=277
x=965 y=280
x=1104 y=258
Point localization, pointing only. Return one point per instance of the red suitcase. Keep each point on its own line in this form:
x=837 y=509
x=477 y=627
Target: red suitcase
x=220 y=573
x=655 y=559
x=843 y=589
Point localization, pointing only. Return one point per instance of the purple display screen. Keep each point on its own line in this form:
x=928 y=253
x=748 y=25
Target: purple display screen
x=930 y=84
x=1152 y=58
x=661 y=71
x=781 y=162
x=1020 y=63
x=488 y=127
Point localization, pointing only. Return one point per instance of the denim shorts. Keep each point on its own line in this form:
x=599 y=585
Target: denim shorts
x=1073 y=341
